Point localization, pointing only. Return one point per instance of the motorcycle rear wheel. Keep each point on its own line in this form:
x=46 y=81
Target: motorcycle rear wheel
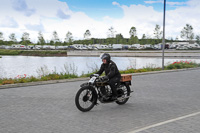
x=85 y=98
x=127 y=91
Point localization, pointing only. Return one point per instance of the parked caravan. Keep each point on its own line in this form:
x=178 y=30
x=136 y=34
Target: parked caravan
x=193 y=45
x=117 y=46
x=15 y=46
x=61 y=47
x=45 y=47
x=135 y=46
x=52 y=47
x=148 y=46
x=103 y=47
x=38 y=47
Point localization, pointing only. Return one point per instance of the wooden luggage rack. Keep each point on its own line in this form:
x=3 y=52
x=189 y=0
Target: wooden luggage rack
x=126 y=77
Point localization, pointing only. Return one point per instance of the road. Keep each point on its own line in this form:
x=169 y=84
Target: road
x=138 y=53
x=161 y=103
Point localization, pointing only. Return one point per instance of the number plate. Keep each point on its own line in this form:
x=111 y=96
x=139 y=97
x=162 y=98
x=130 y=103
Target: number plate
x=92 y=80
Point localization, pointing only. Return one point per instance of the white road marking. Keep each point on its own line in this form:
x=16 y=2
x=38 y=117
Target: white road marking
x=165 y=122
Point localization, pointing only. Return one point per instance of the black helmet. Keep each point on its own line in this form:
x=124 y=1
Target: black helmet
x=105 y=56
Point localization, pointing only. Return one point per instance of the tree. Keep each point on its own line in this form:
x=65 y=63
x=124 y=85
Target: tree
x=157 y=33
x=87 y=34
x=12 y=37
x=133 y=40
x=41 y=40
x=143 y=39
x=176 y=38
x=187 y=32
x=133 y=36
x=25 y=38
x=69 y=37
x=55 y=38
x=1 y=36
x=110 y=41
x=119 y=38
x=132 y=32
x=144 y=36
x=198 y=39
x=171 y=40
x=111 y=32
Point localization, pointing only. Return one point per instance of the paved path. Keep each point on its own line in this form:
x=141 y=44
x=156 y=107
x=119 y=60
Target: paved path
x=161 y=103
x=138 y=53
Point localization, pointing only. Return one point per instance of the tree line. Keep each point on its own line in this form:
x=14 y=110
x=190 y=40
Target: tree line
x=112 y=38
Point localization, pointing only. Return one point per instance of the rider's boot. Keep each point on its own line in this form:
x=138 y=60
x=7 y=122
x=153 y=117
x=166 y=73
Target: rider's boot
x=114 y=94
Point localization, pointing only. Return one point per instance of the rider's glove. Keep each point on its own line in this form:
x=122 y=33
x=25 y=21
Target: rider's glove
x=105 y=78
x=91 y=75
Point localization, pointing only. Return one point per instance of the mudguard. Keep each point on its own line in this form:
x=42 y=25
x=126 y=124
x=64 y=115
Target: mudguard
x=84 y=84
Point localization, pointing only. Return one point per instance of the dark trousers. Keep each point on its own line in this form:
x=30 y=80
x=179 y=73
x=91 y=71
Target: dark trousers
x=113 y=86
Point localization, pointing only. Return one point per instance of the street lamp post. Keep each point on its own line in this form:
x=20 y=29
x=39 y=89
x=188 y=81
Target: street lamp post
x=163 y=39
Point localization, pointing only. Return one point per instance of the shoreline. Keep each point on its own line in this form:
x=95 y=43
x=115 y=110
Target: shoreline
x=167 y=57
x=113 y=53
x=43 y=53
x=7 y=86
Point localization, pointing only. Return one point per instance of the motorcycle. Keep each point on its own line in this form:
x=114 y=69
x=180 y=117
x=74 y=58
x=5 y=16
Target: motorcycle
x=98 y=89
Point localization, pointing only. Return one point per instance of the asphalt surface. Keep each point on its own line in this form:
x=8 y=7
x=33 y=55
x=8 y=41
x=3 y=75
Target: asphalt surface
x=161 y=103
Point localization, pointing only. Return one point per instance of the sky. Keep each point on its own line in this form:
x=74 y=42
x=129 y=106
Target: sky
x=77 y=16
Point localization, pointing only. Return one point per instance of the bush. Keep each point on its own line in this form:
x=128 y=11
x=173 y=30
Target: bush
x=182 y=64
x=7 y=81
x=170 y=67
x=32 y=79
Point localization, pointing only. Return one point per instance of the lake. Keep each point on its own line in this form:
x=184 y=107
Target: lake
x=12 y=66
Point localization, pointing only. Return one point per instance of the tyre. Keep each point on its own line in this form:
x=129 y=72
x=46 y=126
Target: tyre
x=125 y=93
x=86 y=98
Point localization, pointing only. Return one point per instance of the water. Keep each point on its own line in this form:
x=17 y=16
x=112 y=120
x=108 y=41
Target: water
x=12 y=66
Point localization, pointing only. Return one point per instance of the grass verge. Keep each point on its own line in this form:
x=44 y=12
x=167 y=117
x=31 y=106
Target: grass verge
x=33 y=53
x=57 y=76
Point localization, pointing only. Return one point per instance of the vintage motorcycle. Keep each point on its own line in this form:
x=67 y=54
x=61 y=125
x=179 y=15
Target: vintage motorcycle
x=98 y=89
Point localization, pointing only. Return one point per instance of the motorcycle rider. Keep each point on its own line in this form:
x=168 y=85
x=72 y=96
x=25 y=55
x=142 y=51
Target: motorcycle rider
x=112 y=73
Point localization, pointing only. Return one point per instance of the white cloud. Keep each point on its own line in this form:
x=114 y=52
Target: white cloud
x=152 y=2
x=168 y=3
x=35 y=27
x=51 y=15
x=144 y=18
x=62 y=15
x=21 y=6
x=115 y=3
x=175 y=3
x=9 y=22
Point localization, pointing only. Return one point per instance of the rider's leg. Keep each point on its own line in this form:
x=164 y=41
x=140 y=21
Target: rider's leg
x=113 y=87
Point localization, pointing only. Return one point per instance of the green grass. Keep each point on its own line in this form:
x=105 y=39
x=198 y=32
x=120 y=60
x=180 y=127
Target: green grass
x=35 y=79
x=67 y=75
x=33 y=53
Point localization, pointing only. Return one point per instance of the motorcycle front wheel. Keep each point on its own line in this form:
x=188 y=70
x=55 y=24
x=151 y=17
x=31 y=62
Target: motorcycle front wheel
x=86 y=98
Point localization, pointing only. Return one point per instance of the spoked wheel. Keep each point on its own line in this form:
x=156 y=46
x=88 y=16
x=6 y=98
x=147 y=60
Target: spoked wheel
x=85 y=99
x=125 y=93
